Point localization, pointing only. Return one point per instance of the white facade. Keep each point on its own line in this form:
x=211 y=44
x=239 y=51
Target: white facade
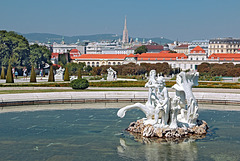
x=202 y=43
x=107 y=48
x=63 y=48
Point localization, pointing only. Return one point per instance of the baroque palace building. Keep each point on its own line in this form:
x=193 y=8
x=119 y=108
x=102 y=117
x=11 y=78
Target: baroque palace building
x=224 y=45
x=176 y=60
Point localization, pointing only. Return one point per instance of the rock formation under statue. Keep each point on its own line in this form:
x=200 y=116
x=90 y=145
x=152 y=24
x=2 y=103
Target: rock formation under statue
x=168 y=117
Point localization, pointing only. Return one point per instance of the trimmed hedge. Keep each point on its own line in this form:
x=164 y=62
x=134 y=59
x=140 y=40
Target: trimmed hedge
x=66 y=75
x=3 y=74
x=9 y=78
x=79 y=74
x=79 y=84
x=33 y=75
x=51 y=75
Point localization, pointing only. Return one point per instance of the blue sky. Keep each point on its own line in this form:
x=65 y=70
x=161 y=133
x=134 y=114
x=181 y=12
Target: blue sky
x=173 y=19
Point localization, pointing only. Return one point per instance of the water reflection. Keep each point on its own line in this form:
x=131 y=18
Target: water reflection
x=158 y=148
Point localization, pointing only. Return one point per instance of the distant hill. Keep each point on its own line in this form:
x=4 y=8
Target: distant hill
x=44 y=37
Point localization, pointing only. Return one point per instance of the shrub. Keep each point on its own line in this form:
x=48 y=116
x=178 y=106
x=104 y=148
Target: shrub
x=79 y=84
x=9 y=78
x=51 y=75
x=66 y=75
x=33 y=75
x=3 y=73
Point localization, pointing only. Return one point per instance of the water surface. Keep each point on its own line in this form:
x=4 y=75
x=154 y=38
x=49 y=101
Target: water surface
x=98 y=134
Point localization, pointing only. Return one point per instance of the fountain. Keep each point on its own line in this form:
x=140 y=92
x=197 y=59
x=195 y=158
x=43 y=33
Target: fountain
x=168 y=117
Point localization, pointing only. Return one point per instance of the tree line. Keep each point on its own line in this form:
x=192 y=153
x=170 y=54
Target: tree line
x=225 y=69
x=16 y=51
x=135 y=69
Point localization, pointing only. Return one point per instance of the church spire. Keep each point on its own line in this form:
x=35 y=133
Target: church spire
x=125 y=32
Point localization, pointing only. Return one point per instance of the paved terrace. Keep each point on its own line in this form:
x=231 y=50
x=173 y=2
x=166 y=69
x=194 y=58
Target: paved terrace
x=135 y=94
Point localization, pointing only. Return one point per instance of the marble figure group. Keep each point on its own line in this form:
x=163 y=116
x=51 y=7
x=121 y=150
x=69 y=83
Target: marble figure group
x=164 y=112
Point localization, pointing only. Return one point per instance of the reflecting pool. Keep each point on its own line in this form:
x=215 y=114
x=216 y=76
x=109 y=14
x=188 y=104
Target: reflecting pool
x=72 y=132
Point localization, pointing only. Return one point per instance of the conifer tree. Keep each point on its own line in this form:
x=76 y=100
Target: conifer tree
x=33 y=75
x=66 y=75
x=51 y=75
x=9 y=78
x=3 y=73
x=79 y=74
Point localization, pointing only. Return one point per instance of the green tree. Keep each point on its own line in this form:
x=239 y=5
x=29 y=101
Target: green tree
x=14 y=47
x=3 y=73
x=66 y=75
x=79 y=74
x=51 y=75
x=39 y=55
x=88 y=69
x=140 y=50
x=33 y=75
x=9 y=78
x=62 y=59
x=73 y=67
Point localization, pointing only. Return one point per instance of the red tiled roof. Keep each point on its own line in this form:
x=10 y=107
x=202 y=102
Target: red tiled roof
x=164 y=51
x=131 y=55
x=197 y=49
x=225 y=56
x=74 y=50
x=161 y=56
x=54 y=55
x=101 y=56
x=56 y=65
x=154 y=47
x=182 y=46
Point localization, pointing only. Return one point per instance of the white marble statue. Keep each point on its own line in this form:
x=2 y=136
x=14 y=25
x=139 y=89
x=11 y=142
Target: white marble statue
x=112 y=75
x=59 y=74
x=160 y=111
x=162 y=108
x=149 y=107
x=157 y=103
x=183 y=87
x=174 y=110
